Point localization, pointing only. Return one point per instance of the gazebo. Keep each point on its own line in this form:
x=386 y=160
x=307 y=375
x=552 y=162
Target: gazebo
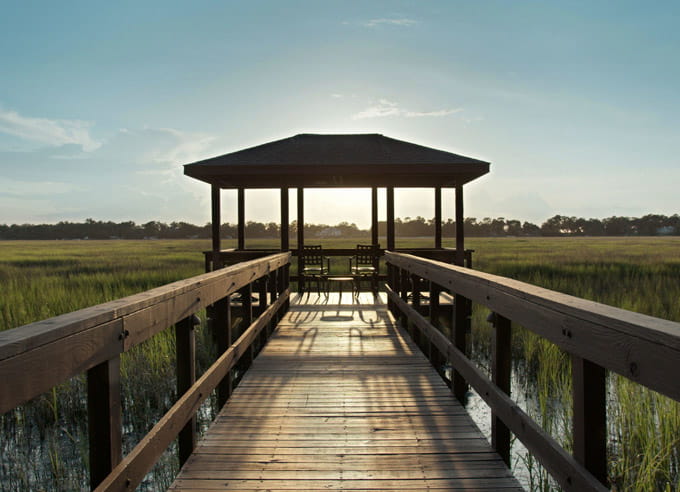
x=336 y=161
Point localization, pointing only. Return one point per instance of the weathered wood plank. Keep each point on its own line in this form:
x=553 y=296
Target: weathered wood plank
x=343 y=405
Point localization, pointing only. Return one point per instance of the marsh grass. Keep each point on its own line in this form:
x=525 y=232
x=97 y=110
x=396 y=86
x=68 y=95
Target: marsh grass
x=44 y=442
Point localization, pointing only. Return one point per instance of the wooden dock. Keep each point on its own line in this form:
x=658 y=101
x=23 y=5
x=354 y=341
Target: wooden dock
x=342 y=399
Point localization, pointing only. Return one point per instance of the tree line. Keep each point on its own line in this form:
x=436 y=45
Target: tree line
x=559 y=225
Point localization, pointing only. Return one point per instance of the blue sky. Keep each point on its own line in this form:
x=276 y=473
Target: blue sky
x=575 y=104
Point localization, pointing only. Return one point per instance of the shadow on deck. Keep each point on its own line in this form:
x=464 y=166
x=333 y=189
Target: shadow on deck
x=341 y=399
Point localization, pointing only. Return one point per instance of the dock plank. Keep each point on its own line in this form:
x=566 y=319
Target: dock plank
x=341 y=399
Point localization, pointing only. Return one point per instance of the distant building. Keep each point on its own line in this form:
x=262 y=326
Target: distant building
x=665 y=231
x=329 y=232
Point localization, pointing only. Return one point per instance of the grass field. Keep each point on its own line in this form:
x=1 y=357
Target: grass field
x=39 y=279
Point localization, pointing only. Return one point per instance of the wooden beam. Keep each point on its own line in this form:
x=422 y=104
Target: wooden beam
x=285 y=220
x=390 y=219
x=241 y=218
x=301 y=235
x=374 y=215
x=216 y=207
x=460 y=232
x=438 y=217
x=501 y=367
x=104 y=419
x=590 y=416
x=185 y=345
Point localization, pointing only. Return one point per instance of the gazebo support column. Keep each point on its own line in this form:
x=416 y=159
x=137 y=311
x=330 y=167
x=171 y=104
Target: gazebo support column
x=301 y=236
x=438 y=217
x=390 y=218
x=285 y=220
x=460 y=233
x=241 y=219
x=374 y=215
x=215 y=195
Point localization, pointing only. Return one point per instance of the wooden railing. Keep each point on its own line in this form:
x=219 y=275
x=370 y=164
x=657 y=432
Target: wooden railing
x=233 y=256
x=39 y=356
x=599 y=338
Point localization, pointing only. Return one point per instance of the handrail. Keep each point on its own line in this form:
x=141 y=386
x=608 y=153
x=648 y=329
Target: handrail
x=598 y=337
x=131 y=471
x=41 y=355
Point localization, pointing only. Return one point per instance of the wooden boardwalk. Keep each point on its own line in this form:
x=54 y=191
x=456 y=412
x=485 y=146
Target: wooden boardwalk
x=341 y=399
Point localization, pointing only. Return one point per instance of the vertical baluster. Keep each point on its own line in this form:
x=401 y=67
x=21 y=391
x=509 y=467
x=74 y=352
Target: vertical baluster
x=501 y=358
x=415 y=302
x=185 y=346
x=262 y=307
x=223 y=338
x=460 y=309
x=435 y=355
x=104 y=419
x=590 y=416
x=247 y=312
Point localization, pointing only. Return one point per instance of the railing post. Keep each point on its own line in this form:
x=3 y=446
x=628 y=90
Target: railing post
x=263 y=291
x=185 y=347
x=435 y=355
x=223 y=337
x=104 y=419
x=403 y=286
x=590 y=416
x=501 y=367
x=460 y=323
x=415 y=301
x=273 y=283
x=247 y=312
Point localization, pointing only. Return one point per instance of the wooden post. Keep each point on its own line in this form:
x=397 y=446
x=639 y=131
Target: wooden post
x=241 y=219
x=262 y=292
x=215 y=226
x=301 y=236
x=390 y=219
x=222 y=334
x=185 y=348
x=438 y=217
x=374 y=215
x=590 y=416
x=273 y=291
x=501 y=367
x=435 y=355
x=459 y=341
x=104 y=419
x=460 y=231
x=415 y=301
x=247 y=311
x=285 y=221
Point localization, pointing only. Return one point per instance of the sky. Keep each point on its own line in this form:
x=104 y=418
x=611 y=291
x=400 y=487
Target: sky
x=575 y=104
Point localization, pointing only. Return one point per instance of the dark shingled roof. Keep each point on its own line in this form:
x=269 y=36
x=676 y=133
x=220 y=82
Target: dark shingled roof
x=309 y=160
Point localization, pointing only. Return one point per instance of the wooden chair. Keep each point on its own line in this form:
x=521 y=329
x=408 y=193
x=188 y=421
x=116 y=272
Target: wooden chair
x=364 y=265
x=315 y=266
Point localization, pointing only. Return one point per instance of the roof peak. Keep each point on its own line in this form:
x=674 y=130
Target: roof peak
x=339 y=135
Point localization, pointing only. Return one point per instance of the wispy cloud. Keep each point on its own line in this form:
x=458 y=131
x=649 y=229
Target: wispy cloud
x=401 y=22
x=389 y=108
x=46 y=131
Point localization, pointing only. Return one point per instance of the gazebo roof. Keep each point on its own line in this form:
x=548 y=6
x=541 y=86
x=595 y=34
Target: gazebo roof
x=364 y=160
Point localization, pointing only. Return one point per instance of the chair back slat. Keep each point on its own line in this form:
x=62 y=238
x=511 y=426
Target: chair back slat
x=366 y=254
x=313 y=255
